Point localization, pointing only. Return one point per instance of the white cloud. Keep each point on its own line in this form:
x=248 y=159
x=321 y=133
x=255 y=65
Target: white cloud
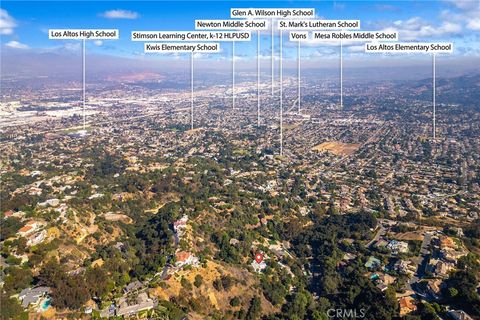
x=323 y=53
x=467 y=13
x=120 y=14
x=98 y=43
x=357 y=48
x=268 y=57
x=7 y=23
x=338 y=6
x=416 y=28
x=450 y=28
x=386 y=7
x=465 y=4
x=72 y=46
x=16 y=45
x=197 y=55
x=474 y=24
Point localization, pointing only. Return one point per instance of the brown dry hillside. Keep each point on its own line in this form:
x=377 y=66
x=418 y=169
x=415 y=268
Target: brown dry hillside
x=206 y=297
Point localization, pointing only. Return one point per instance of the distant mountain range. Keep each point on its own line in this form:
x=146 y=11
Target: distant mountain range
x=464 y=90
x=68 y=65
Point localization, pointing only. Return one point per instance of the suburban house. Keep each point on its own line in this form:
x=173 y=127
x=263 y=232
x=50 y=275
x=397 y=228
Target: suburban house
x=133 y=286
x=434 y=288
x=404 y=267
x=459 y=315
x=373 y=263
x=29 y=228
x=7 y=214
x=33 y=296
x=407 y=305
x=398 y=246
x=180 y=225
x=440 y=268
x=258 y=267
x=142 y=303
x=183 y=258
x=36 y=238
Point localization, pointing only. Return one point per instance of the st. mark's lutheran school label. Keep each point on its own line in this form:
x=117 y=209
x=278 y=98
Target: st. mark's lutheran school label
x=317 y=24
x=272 y=13
x=181 y=47
x=191 y=36
x=231 y=24
x=78 y=34
x=410 y=47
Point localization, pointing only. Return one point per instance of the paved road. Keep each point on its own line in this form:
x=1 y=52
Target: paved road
x=423 y=259
x=425 y=243
x=380 y=232
x=164 y=273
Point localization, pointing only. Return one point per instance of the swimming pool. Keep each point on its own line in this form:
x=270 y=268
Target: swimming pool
x=45 y=304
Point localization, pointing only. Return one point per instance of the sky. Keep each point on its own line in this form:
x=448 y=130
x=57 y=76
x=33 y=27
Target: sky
x=24 y=25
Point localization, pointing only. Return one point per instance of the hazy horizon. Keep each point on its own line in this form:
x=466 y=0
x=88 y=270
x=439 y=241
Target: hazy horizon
x=99 y=66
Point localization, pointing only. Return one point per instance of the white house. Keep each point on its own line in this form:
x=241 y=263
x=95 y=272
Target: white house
x=398 y=246
x=36 y=238
x=184 y=258
x=258 y=267
x=33 y=296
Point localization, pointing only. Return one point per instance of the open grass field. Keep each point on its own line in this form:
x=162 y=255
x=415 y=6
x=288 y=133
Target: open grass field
x=337 y=147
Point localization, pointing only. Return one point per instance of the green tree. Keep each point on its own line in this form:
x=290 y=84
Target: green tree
x=17 y=279
x=186 y=284
x=452 y=292
x=427 y=311
x=70 y=293
x=10 y=308
x=198 y=281
x=97 y=281
x=255 y=309
x=234 y=302
x=297 y=307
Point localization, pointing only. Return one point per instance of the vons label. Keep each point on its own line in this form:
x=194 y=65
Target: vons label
x=78 y=34
x=298 y=36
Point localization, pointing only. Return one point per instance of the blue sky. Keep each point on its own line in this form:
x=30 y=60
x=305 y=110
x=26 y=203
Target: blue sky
x=24 y=25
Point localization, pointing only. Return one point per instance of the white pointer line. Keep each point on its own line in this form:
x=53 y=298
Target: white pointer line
x=272 y=56
x=433 y=96
x=233 y=74
x=298 y=74
x=258 y=78
x=281 y=96
x=83 y=71
x=341 y=74
x=191 y=90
